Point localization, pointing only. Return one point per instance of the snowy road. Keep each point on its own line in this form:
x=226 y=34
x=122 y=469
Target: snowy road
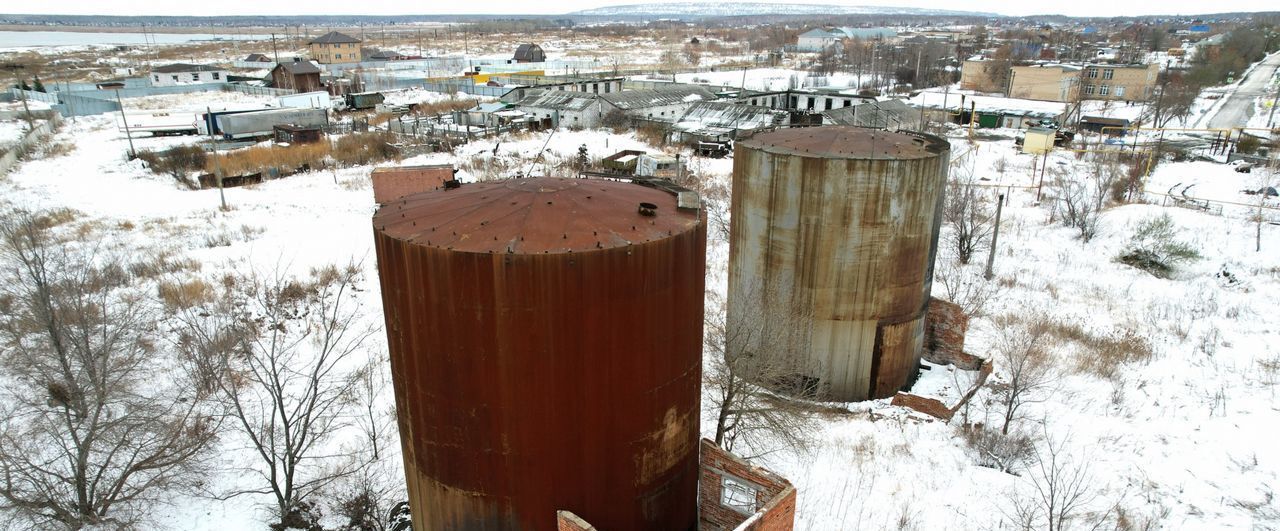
x=1235 y=112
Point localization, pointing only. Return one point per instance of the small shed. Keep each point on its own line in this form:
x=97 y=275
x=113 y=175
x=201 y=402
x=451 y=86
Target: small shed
x=1038 y=140
x=297 y=134
x=391 y=183
x=529 y=53
x=257 y=58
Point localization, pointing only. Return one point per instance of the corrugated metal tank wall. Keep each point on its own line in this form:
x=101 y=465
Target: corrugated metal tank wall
x=545 y=341
x=838 y=227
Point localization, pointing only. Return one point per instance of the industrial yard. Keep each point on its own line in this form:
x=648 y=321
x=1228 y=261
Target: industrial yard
x=543 y=301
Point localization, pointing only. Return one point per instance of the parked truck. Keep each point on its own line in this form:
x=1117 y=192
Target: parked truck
x=363 y=100
x=661 y=166
x=159 y=123
x=622 y=162
x=262 y=123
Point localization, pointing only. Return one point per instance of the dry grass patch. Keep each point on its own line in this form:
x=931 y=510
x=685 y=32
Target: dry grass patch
x=347 y=150
x=1103 y=354
x=180 y=295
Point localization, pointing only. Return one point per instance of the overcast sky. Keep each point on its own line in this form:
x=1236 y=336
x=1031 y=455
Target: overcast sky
x=402 y=7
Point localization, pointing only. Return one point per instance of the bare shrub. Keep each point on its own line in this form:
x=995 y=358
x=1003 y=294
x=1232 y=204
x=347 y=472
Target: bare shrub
x=1076 y=205
x=177 y=162
x=1005 y=453
x=364 y=148
x=275 y=352
x=651 y=134
x=616 y=120
x=965 y=287
x=93 y=430
x=1021 y=352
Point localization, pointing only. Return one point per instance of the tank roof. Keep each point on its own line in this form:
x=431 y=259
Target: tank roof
x=847 y=142
x=543 y=215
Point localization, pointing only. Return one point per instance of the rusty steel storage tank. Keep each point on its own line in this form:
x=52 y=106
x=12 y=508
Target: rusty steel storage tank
x=545 y=338
x=832 y=241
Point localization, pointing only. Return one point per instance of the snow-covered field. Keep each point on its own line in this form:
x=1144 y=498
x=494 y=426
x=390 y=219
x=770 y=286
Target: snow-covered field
x=1184 y=438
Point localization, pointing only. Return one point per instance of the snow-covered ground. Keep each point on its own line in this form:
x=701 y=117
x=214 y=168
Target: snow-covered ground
x=11 y=131
x=1186 y=434
x=770 y=79
x=198 y=101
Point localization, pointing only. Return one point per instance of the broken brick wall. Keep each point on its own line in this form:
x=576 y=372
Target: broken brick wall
x=393 y=183
x=567 y=521
x=775 y=497
x=945 y=326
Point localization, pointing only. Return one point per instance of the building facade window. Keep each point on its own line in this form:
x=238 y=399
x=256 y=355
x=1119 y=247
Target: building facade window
x=195 y=76
x=1089 y=89
x=1091 y=72
x=1119 y=92
x=337 y=56
x=738 y=495
x=1108 y=73
x=157 y=78
x=217 y=76
x=1104 y=90
x=175 y=77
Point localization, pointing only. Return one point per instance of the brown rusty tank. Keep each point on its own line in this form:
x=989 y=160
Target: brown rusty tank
x=545 y=338
x=833 y=235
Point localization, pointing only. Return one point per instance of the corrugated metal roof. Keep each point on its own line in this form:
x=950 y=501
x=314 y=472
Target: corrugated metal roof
x=714 y=118
x=877 y=114
x=185 y=67
x=564 y=100
x=301 y=67
x=640 y=99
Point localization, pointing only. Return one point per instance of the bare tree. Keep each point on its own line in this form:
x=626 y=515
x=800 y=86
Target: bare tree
x=1062 y=490
x=92 y=427
x=1266 y=182
x=1021 y=354
x=277 y=352
x=968 y=213
x=741 y=400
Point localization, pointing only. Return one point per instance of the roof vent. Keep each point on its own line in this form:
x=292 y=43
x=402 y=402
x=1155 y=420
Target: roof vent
x=648 y=209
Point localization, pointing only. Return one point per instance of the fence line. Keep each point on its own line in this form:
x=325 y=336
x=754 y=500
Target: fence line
x=33 y=137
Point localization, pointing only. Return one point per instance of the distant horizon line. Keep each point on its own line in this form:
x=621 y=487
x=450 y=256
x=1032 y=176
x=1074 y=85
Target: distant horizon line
x=948 y=12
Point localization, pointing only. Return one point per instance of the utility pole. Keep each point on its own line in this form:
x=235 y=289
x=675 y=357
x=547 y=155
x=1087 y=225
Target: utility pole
x=132 y=153
x=1043 y=163
x=217 y=166
x=275 y=51
x=995 y=235
x=915 y=81
x=973 y=118
x=1274 y=100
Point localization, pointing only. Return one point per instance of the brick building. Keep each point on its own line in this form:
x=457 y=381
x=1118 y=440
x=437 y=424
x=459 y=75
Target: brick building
x=1091 y=81
x=334 y=47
